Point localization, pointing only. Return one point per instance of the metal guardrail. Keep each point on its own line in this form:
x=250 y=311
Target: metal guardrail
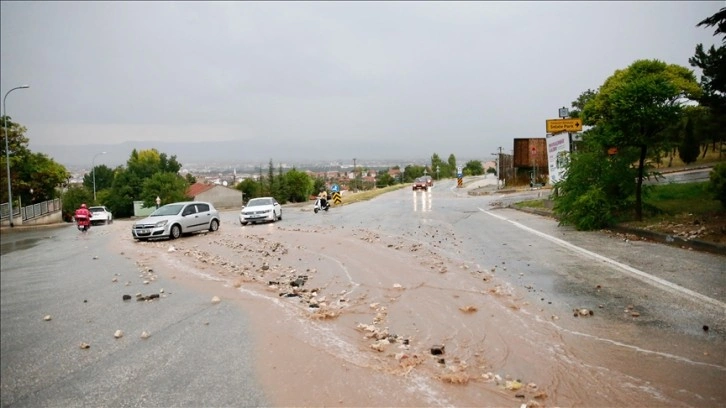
x=31 y=211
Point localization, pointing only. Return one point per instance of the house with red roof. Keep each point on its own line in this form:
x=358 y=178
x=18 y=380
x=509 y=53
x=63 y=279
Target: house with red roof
x=220 y=196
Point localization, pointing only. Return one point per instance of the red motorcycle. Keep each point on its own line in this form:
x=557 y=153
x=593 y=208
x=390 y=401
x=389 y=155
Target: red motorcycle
x=83 y=219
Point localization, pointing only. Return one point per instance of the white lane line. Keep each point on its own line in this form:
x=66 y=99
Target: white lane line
x=636 y=273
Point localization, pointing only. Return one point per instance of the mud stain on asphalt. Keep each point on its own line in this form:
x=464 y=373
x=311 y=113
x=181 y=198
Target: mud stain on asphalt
x=356 y=318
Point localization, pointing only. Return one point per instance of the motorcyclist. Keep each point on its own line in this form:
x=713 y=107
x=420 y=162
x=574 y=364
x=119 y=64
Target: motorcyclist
x=82 y=214
x=323 y=196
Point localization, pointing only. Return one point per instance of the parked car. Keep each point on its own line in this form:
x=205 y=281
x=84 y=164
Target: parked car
x=420 y=184
x=429 y=180
x=260 y=209
x=175 y=219
x=100 y=215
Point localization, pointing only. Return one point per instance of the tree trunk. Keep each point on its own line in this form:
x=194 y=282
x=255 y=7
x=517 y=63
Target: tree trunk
x=670 y=157
x=705 y=149
x=639 y=184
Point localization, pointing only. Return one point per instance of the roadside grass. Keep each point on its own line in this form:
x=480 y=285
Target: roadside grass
x=350 y=198
x=667 y=202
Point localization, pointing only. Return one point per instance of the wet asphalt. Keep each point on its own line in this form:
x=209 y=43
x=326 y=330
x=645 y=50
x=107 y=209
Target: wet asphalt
x=198 y=353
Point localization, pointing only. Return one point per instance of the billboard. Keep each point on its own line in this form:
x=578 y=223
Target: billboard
x=558 y=155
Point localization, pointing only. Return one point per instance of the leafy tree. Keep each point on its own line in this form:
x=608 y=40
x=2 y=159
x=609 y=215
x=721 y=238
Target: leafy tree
x=250 y=189
x=579 y=104
x=125 y=189
x=452 y=163
x=73 y=197
x=689 y=148
x=597 y=186
x=129 y=183
x=473 y=168
x=384 y=180
x=635 y=105
x=712 y=63
x=190 y=178
x=28 y=170
x=318 y=184
x=169 y=187
x=299 y=186
x=104 y=178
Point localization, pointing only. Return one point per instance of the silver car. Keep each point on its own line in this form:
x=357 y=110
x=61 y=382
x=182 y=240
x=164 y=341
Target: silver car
x=260 y=209
x=173 y=220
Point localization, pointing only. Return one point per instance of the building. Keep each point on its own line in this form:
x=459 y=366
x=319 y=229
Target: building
x=220 y=196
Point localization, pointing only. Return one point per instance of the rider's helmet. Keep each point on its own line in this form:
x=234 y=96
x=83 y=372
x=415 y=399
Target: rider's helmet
x=83 y=205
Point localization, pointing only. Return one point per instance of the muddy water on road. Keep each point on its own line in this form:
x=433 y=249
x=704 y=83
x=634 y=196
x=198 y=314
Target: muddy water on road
x=351 y=318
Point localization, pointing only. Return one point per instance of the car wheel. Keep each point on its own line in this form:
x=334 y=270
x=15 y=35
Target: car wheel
x=280 y=216
x=243 y=223
x=214 y=225
x=175 y=231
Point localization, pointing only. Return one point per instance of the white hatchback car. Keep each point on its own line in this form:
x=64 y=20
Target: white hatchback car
x=100 y=215
x=260 y=209
x=173 y=220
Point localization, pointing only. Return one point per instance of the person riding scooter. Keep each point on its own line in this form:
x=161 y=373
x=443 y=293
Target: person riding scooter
x=83 y=218
x=323 y=196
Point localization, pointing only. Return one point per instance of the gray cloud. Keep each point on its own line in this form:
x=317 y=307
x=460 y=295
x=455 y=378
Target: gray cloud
x=445 y=77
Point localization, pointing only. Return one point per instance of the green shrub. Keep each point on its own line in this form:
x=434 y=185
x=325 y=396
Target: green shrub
x=718 y=182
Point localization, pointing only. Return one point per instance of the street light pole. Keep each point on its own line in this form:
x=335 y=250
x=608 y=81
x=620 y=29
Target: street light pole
x=93 y=170
x=7 y=153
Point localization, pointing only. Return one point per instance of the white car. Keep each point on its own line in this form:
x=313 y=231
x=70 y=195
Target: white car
x=175 y=219
x=100 y=215
x=260 y=209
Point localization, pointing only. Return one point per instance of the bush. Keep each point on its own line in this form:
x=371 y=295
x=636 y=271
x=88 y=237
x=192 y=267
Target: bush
x=718 y=182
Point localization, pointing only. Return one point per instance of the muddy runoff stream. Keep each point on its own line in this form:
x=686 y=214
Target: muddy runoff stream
x=348 y=317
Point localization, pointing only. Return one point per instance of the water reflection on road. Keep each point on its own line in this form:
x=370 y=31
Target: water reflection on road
x=422 y=200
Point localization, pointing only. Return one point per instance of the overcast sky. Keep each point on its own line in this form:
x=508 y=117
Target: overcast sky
x=444 y=77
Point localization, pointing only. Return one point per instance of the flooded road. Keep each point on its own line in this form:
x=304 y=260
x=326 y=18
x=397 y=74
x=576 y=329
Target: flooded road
x=437 y=298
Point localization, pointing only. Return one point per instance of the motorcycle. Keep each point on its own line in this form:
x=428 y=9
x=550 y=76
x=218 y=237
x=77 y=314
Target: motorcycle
x=319 y=205
x=83 y=223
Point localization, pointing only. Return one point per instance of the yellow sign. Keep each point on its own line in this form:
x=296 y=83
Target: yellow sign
x=563 y=125
x=336 y=198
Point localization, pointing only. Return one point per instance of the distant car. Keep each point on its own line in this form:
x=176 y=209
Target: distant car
x=175 y=219
x=100 y=215
x=260 y=209
x=420 y=184
x=429 y=180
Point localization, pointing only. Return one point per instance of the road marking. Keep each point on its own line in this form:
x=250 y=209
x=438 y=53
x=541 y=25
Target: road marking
x=636 y=273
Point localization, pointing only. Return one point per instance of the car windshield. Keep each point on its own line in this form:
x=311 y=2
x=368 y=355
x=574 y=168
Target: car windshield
x=97 y=209
x=255 y=202
x=169 y=209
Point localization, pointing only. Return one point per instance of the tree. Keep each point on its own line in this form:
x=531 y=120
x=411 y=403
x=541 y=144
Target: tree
x=169 y=187
x=712 y=63
x=597 y=186
x=473 y=168
x=190 y=178
x=299 y=186
x=250 y=189
x=579 y=104
x=452 y=162
x=73 y=197
x=129 y=183
x=689 y=149
x=717 y=182
x=29 y=171
x=384 y=179
x=635 y=105
x=103 y=176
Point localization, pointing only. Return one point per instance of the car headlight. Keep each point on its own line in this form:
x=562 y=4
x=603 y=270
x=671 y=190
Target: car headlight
x=160 y=224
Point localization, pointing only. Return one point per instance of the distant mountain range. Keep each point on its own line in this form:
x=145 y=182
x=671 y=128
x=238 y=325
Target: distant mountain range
x=232 y=152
